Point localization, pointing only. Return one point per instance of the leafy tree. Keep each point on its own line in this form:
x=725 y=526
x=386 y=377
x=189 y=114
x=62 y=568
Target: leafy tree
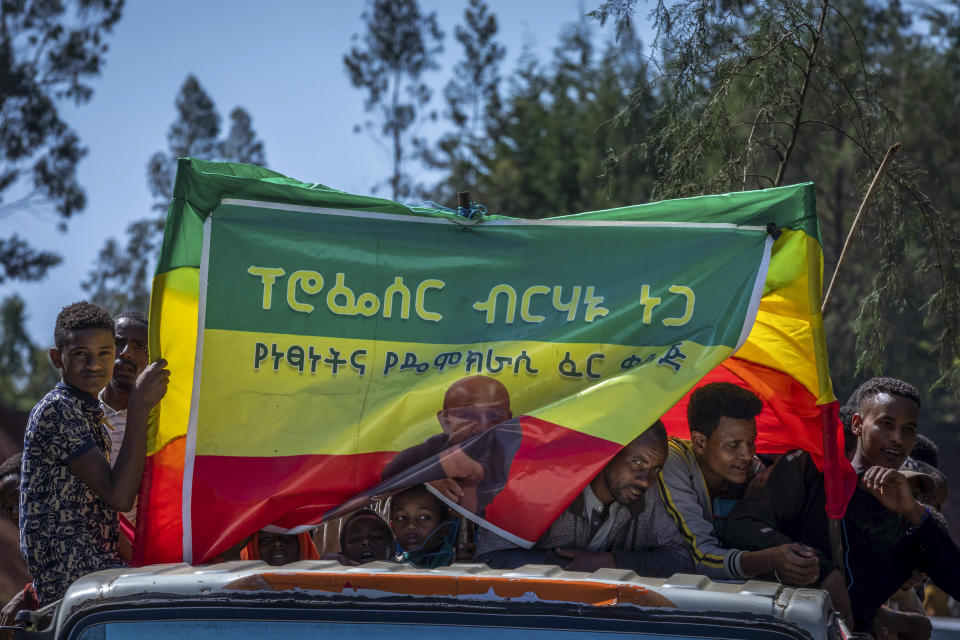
x=120 y=278
x=399 y=46
x=48 y=53
x=764 y=93
x=768 y=92
x=559 y=130
x=474 y=106
x=25 y=371
x=19 y=261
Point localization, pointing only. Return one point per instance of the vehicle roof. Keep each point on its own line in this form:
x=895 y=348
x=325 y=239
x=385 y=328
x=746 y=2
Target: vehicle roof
x=320 y=581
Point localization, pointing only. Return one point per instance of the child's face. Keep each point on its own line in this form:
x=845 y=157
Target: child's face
x=278 y=549
x=366 y=540
x=414 y=518
x=86 y=360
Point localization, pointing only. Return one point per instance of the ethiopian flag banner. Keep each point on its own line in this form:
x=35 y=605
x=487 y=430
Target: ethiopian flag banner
x=315 y=339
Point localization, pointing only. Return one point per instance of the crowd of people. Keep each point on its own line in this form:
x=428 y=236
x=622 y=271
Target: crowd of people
x=707 y=504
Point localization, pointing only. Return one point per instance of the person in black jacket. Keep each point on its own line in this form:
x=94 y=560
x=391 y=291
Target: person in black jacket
x=888 y=533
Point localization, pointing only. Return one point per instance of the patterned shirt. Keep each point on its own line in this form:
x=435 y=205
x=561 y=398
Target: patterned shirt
x=66 y=530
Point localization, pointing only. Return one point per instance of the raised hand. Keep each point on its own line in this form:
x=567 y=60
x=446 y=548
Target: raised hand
x=151 y=386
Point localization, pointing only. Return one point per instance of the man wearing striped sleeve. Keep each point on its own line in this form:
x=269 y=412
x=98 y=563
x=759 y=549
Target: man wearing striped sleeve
x=703 y=478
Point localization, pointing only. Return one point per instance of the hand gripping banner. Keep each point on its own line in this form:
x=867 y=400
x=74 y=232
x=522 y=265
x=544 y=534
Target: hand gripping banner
x=327 y=349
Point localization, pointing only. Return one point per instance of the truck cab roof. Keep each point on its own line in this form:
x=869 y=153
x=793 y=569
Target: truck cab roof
x=253 y=599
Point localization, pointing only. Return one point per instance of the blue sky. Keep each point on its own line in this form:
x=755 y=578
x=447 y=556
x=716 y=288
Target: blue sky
x=282 y=64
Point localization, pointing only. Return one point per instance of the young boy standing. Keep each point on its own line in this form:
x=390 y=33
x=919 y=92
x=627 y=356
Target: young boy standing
x=69 y=495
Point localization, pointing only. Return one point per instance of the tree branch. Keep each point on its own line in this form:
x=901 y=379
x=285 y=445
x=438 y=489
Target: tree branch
x=811 y=63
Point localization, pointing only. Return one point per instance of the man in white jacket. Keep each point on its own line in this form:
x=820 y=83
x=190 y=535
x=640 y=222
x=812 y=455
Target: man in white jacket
x=702 y=478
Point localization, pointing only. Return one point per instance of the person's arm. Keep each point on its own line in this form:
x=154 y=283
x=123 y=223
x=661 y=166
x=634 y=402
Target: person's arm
x=659 y=562
x=412 y=456
x=682 y=502
x=758 y=521
x=933 y=550
x=119 y=486
x=517 y=557
x=499 y=553
x=937 y=554
x=759 y=518
x=792 y=563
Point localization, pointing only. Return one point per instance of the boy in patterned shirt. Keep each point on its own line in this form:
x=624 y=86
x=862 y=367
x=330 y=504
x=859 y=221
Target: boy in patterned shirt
x=69 y=495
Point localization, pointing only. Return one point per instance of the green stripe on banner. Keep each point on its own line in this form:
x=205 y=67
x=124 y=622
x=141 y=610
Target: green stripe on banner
x=341 y=274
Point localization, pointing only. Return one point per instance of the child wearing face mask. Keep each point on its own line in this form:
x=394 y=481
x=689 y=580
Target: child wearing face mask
x=426 y=534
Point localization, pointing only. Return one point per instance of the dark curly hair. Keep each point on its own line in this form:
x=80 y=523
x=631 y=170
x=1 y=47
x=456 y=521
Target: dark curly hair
x=875 y=386
x=365 y=513
x=712 y=401
x=925 y=450
x=11 y=466
x=657 y=431
x=421 y=490
x=78 y=316
x=849 y=439
x=133 y=316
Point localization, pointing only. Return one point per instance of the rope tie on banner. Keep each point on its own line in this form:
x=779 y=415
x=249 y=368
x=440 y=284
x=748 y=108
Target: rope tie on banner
x=467 y=210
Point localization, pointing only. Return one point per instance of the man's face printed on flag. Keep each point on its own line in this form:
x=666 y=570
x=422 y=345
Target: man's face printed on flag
x=473 y=405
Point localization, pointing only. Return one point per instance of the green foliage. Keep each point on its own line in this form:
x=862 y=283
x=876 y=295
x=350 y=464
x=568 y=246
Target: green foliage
x=474 y=108
x=559 y=135
x=19 y=261
x=48 y=53
x=25 y=371
x=120 y=278
x=399 y=46
x=759 y=93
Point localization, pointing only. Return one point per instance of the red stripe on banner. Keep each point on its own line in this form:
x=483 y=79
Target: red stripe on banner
x=234 y=496
x=550 y=469
x=790 y=419
x=159 y=534
x=840 y=478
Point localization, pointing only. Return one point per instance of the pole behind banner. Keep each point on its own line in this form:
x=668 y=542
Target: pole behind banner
x=833 y=524
x=884 y=165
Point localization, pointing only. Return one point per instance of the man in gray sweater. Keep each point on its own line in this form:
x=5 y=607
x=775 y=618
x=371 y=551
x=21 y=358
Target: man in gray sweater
x=704 y=478
x=614 y=523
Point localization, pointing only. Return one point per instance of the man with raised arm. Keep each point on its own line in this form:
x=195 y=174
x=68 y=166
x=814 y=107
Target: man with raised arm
x=888 y=533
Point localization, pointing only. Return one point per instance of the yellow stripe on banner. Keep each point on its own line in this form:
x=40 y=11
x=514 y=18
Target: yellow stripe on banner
x=788 y=334
x=284 y=399
x=173 y=336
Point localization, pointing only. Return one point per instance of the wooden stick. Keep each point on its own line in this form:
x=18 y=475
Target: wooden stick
x=836 y=545
x=887 y=159
x=463 y=203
